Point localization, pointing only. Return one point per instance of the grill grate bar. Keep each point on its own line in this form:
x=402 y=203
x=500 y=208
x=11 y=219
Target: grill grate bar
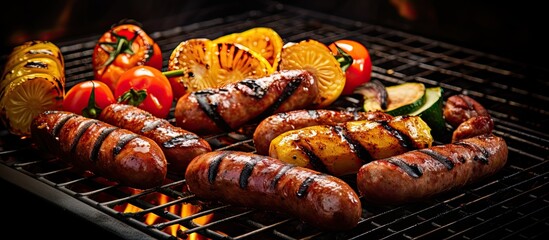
x=487 y=221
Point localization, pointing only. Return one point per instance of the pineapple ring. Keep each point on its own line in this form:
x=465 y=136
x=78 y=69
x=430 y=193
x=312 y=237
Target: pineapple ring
x=316 y=58
x=262 y=40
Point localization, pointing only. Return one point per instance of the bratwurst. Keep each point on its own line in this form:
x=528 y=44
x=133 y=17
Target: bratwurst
x=252 y=180
x=180 y=146
x=106 y=150
x=423 y=173
x=228 y=108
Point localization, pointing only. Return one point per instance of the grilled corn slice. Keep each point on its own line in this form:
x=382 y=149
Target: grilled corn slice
x=342 y=149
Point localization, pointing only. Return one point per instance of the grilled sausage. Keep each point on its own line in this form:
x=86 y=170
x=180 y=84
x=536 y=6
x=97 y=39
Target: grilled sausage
x=342 y=149
x=468 y=117
x=423 y=173
x=276 y=124
x=180 y=146
x=257 y=181
x=234 y=105
x=90 y=144
x=473 y=127
x=459 y=108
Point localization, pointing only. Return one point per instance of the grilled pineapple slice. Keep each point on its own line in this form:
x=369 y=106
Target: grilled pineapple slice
x=33 y=81
x=342 y=149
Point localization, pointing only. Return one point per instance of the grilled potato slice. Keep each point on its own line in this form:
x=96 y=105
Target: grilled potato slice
x=342 y=149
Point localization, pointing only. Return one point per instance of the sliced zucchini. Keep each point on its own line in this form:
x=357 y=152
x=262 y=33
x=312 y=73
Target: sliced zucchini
x=405 y=98
x=431 y=111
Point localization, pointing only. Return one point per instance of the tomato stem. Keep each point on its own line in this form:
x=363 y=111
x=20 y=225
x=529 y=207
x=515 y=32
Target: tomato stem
x=92 y=110
x=173 y=73
x=133 y=97
x=345 y=60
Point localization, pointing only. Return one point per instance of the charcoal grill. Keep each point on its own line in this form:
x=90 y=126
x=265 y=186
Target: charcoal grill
x=513 y=204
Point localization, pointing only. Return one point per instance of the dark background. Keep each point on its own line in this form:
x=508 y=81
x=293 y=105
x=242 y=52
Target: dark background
x=509 y=29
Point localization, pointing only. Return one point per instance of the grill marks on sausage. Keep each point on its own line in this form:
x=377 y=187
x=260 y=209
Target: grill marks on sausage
x=60 y=123
x=447 y=162
x=99 y=141
x=411 y=169
x=304 y=187
x=179 y=139
x=151 y=125
x=402 y=138
x=356 y=147
x=211 y=109
x=482 y=155
x=288 y=91
x=81 y=130
x=257 y=91
x=247 y=172
x=214 y=167
x=122 y=142
x=280 y=173
x=251 y=88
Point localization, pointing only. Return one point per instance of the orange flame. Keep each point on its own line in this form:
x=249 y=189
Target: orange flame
x=183 y=209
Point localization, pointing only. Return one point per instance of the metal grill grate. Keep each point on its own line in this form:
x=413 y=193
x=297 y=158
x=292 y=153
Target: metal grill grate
x=512 y=204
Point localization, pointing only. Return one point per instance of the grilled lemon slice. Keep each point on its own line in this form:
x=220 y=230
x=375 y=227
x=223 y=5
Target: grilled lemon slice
x=262 y=40
x=233 y=62
x=316 y=58
x=193 y=57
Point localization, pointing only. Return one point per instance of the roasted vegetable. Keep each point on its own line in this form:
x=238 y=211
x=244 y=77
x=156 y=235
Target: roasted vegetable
x=344 y=148
x=122 y=47
x=33 y=81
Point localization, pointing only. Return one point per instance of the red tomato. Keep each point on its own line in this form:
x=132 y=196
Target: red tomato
x=122 y=47
x=79 y=98
x=360 y=69
x=147 y=88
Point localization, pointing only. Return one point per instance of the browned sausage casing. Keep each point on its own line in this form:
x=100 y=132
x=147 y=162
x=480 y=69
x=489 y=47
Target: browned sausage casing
x=459 y=108
x=257 y=181
x=277 y=124
x=180 y=146
x=234 y=105
x=90 y=144
x=420 y=174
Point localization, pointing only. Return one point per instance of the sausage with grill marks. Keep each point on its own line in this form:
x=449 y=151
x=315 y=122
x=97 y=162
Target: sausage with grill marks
x=234 y=105
x=106 y=150
x=276 y=124
x=257 y=181
x=420 y=174
x=180 y=146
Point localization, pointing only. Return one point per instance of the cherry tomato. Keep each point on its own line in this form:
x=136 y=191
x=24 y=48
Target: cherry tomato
x=122 y=47
x=88 y=98
x=147 y=88
x=358 y=68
